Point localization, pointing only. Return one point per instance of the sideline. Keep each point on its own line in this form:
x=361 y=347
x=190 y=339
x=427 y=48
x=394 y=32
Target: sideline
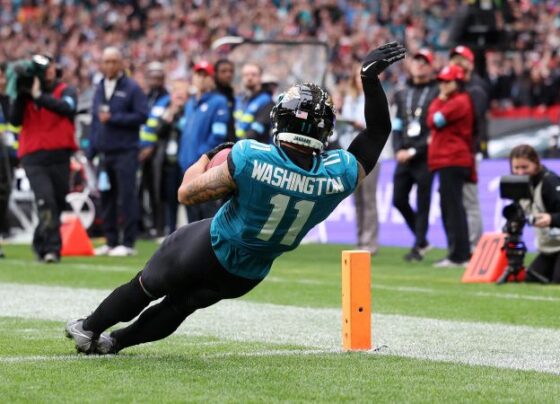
x=472 y=343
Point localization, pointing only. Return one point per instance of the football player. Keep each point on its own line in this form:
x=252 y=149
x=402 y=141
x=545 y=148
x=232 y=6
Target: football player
x=278 y=193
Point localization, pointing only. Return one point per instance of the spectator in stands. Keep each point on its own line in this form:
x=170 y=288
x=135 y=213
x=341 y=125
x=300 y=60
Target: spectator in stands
x=450 y=118
x=45 y=113
x=479 y=93
x=365 y=195
x=253 y=106
x=206 y=119
x=119 y=109
x=545 y=209
x=536 y=87
x=410 y=145
x=151 y=215
x=501 y=77
x=225 y=70
x=169 y=127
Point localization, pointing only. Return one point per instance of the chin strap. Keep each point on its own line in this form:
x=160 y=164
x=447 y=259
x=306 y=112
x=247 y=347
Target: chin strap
x=301 y=140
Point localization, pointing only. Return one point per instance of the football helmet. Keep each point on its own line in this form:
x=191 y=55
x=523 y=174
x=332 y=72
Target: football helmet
x=304 y=115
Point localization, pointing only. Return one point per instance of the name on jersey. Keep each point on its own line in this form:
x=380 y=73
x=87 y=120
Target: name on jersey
x=292 y=181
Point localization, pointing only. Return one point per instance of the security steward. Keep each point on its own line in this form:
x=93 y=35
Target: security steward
x=253 y=106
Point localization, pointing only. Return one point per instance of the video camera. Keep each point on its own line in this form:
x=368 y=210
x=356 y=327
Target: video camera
x=21 y=73
x=516 y=188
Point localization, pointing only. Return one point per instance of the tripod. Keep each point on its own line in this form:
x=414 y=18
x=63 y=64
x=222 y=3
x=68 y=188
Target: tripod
x=515 y=250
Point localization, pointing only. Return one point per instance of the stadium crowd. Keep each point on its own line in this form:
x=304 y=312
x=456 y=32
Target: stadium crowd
x=180 y=32
x=176 y=38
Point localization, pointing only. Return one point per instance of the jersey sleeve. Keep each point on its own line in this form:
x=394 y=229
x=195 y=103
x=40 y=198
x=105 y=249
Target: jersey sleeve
x=239 y=157
x=343 y=164
x=351 y=168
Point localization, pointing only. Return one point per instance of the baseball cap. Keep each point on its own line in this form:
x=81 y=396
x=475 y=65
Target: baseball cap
x=451 y=73
x=463 y=51
x=204 y=66
x=425 y=54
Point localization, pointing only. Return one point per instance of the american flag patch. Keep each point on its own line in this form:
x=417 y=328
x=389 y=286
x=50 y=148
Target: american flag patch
x=301 y=114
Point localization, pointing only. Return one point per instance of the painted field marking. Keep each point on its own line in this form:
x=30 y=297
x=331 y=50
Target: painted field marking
x=91 y=267
x=80 y=357
x=473 y=343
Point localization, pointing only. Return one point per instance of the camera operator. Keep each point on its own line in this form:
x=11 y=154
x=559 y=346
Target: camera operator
x=544 y=209
x=45 y=112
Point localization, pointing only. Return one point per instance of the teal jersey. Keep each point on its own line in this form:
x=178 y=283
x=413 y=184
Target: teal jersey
x=276 y=204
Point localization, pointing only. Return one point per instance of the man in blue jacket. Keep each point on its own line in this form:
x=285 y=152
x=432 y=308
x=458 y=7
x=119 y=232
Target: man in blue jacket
x=252 y=108
x=206 y=125
x=119 y=109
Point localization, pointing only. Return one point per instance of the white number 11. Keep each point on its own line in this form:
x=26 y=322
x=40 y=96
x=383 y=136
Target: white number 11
x=280 y=204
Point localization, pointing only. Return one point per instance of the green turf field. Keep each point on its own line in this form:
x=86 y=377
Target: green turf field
x=438 y=340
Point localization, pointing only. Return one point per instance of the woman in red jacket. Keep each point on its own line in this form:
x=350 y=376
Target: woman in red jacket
x=451 y=118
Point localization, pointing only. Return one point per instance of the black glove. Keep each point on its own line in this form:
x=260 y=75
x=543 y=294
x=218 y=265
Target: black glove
x=218 y=148
x=381 y=58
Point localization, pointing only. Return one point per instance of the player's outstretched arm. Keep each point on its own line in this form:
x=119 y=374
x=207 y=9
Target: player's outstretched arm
x=200 y=185
x=369 y=143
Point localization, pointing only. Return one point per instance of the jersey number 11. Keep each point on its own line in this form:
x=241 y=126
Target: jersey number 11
x=280 y=204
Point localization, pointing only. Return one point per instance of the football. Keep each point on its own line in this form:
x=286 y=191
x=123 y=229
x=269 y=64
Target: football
x=219 y=158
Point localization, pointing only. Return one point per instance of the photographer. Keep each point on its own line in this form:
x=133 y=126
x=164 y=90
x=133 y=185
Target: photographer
x=45 y=111
x=544 y=209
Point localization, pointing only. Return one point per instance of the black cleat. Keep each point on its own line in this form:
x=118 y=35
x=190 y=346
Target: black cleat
x=413 y=255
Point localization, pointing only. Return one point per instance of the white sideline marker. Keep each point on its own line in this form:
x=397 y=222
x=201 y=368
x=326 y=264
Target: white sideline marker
x=473 y=343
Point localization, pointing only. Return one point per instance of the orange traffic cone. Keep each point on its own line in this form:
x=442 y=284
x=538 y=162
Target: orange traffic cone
x=75 y=240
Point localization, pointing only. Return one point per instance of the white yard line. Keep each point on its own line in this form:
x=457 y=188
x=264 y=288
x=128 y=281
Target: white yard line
x=53 y=358
x=88 y=267
x=490 y=344
x=75 y=357
x=413 y=289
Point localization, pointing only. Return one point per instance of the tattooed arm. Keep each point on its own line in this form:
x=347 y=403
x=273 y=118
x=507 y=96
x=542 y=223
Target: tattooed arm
x=200 y=185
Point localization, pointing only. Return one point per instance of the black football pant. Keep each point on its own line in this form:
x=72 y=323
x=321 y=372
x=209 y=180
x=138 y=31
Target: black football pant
x=451 y=181
x=546 y=267
x=119 y=204
x=202 y=211
x=406 y=175
x=186 y=272
x=6 y=175
x=172 y=178
x=50 y=184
